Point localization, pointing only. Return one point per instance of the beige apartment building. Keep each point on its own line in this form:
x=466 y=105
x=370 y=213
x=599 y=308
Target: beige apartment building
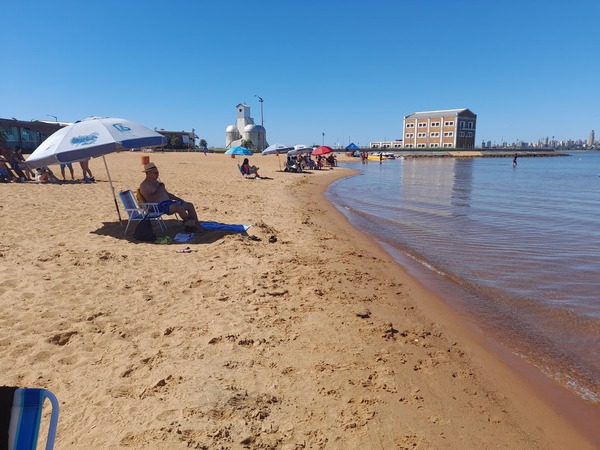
x=451 y=128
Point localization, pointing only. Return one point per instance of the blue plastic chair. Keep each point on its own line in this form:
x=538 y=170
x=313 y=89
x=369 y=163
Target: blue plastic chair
x=20 y=417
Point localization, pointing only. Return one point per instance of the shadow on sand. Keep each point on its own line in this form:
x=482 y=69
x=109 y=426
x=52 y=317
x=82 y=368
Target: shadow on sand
x=116 y=230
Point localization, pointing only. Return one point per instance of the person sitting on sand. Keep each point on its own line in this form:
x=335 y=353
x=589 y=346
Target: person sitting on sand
x=5 y=173
x=17 y=162
x=154 y=191
x=247 y=169
x=45 y=175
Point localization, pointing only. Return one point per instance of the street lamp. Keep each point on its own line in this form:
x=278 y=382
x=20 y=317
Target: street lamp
x=262 y=123
x=322 y=138
x=55 y=118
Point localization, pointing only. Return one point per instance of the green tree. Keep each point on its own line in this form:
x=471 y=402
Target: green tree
x=247 y=143
x=3 y=137
x=203 y=143
x=175 y=141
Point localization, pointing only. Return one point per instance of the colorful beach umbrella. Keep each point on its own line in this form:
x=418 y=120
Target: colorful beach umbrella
x=322 y=150
x=239 y=151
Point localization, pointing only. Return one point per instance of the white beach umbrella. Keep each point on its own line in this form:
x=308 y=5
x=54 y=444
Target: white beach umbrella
x=93 y=137
x=300 y=149
x=276 y=149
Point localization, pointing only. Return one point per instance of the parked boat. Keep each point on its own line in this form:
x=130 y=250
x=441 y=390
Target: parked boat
x=378 y=156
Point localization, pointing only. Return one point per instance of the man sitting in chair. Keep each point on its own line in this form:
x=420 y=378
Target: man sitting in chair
x=154 y=191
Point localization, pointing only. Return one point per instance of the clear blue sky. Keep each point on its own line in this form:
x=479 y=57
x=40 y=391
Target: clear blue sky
x=352 y=69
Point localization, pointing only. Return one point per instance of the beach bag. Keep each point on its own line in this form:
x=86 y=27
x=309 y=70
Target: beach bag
x=144 y=232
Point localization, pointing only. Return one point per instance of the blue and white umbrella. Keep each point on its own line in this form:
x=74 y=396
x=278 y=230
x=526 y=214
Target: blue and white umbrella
x=239 y=151
x=300 y=149
x=276 y=149
x=93 y=137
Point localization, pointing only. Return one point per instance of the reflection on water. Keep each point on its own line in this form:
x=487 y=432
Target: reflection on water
x=522 y=244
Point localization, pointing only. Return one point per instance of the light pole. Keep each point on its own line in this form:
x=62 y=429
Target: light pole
x=262 y=123
x=322 y=138
x=55 y=118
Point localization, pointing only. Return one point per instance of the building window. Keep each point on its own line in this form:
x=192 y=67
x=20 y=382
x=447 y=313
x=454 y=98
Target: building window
x=435 y=145
x=420 y=145
x=423 y=125
x=449 y=123
x=469 y=134
x=410 y=135
x=422 y=135
x=410 y=125
x=470 y=125
x=462 y=124
x=448 y=133
x=448 y=145
x=434 y=134
x=461 y=134
x=434 y=124
x=408 y=146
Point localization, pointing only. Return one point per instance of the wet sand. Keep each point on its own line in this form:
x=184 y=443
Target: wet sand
x=317 y=340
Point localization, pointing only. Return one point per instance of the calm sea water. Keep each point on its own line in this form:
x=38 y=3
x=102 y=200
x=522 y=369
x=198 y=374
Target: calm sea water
x=516 y=249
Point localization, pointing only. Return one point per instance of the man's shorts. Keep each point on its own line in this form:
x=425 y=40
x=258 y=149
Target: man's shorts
x=165 y=205
x=69 y=165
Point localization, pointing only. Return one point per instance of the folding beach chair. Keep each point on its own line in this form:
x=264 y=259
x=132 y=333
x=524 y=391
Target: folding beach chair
x=246 y=175
x=137 y=212
x=20 y=417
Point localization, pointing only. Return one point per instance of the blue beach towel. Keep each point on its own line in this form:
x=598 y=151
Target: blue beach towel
x=224 y=227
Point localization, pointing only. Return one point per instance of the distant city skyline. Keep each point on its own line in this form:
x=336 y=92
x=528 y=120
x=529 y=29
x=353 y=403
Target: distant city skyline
x=349 y=72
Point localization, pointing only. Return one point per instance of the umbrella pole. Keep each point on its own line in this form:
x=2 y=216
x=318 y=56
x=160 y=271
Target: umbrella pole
x=112 y=188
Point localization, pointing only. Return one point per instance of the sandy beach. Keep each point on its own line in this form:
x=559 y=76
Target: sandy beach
x=315 y=341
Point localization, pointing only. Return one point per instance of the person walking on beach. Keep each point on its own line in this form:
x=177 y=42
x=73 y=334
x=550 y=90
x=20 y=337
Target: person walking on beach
x=515 y=160
x=154 y=191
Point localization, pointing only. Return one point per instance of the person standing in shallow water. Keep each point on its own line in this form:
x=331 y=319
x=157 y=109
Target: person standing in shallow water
x=515 y=160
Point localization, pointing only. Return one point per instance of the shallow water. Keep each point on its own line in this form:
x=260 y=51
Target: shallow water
x=518 y=247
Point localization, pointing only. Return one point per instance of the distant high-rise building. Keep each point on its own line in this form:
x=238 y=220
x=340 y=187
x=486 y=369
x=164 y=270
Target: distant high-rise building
x=591 y=138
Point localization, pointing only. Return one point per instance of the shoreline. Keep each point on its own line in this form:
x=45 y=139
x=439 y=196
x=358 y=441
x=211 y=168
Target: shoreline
x=581 y=414
x=319 y=340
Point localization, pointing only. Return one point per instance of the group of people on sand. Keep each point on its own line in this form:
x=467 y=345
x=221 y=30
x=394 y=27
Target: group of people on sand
x=300 y=163
x=45 y=175
x=14 y=169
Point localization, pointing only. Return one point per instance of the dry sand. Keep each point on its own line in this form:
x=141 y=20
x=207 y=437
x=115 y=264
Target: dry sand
x=315 y=341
